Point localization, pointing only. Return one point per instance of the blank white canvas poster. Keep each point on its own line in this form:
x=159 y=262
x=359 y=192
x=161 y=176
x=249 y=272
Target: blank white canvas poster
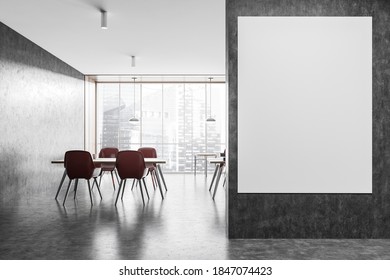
x=304 y=104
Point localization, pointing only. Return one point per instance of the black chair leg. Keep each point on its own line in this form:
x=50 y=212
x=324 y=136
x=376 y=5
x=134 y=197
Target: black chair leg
x=123 y=190
x=100 y=179
x=97 y=186
x=152 y=176
x=217 y=182
x=75 y=188
x=119 y=191
x=143 y=180
x=142 y=193
x=60 y=186
x=133 y=184
x=90 y=191
x=67 y=191
x=112 y=177
x=116 y=175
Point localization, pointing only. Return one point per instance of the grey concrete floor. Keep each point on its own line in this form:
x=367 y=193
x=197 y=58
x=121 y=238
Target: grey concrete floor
x=187 y=224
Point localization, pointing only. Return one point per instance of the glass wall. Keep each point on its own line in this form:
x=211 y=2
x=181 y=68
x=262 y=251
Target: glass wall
x=172 y=119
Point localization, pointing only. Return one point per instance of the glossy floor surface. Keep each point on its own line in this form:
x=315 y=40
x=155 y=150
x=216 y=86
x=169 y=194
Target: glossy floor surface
x=187 y=224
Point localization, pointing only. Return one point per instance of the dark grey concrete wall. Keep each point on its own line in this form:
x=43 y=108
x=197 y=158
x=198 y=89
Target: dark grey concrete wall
x=315 y=215
x=41 y=115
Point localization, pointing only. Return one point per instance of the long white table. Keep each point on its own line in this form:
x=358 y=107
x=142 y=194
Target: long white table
x=113 y=160
x=148 y=161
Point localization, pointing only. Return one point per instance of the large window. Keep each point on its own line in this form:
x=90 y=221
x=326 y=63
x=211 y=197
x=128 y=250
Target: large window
x=172 y=119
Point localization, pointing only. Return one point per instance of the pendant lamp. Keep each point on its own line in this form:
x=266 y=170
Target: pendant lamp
x=210 y=118
x=134 y=119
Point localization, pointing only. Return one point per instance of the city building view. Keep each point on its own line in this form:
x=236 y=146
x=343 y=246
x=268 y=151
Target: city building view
x=175 y=113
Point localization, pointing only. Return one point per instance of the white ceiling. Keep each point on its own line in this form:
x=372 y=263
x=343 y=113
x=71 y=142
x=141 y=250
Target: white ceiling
x=168 y=37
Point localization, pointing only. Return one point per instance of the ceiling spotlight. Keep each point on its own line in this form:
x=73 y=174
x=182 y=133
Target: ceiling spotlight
x=132 y=61
x=103 y=21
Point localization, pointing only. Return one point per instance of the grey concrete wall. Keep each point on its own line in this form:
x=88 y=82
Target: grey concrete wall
x=41 y=116
x=312 y=215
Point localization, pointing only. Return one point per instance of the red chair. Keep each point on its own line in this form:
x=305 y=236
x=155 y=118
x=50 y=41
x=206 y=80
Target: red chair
x=131 y=165
x=153 y=168
x=79 y=165
x=150 y=153
x=107 y=167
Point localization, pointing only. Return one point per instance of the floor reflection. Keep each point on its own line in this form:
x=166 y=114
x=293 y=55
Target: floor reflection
x=187 y=224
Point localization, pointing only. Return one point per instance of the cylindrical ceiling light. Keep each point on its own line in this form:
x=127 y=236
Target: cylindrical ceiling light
x=103 y=19
x=134 y=119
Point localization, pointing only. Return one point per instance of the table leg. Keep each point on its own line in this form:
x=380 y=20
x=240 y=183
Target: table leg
x=60 y=186
x=159 y=184
x=217 y=182
x=205 y=168
x=212 y=180
x=162 y=176
x=195 y=165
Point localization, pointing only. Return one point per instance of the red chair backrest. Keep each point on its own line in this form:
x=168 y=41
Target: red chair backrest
x=79 y=164
x=130 y=165
x=108 y=152
x=148 y=152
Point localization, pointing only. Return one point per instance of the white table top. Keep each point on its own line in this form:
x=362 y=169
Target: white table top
x=113 y=160
x=216 y=160
x=207 y=154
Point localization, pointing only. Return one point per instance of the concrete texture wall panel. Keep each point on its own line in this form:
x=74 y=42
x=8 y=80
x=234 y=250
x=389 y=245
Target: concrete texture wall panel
x=41 y=114
x=312 y=215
